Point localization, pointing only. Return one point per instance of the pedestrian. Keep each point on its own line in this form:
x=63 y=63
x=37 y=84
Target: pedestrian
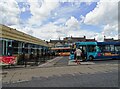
x=74 y=55
x=83 y=55
x=78 y=55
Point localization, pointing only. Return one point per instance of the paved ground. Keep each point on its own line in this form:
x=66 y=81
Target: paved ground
x=53 y=62
x=108 y=61
x=62 y=62
x=77 y=80
x=100 y=73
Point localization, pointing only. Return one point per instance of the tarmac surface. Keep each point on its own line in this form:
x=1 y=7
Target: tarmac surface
x=58 y=73
x=77 y=80
x=62 y=62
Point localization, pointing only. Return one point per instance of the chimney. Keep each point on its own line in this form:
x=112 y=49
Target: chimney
x=104 y=37
x=85 y=37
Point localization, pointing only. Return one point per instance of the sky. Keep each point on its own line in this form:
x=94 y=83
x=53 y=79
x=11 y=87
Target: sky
x=54 y=19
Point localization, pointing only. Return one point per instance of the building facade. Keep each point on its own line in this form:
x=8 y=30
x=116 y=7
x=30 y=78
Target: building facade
x=67 y=41
x=19 y=44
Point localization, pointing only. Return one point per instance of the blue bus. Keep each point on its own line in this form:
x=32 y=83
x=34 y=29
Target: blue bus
x=97 y=50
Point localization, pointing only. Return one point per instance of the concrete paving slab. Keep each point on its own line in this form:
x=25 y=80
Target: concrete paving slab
x=27 y=74
x=50 y=63
x=87 y=63
x=72 y=63
x=3 y=72
x=85 y=68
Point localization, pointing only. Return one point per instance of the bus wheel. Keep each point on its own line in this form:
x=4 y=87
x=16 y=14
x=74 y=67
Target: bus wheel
x=91 y=58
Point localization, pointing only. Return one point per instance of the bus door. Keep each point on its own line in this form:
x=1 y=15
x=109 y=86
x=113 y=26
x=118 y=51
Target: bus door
x=91 y=52
x=84 y=51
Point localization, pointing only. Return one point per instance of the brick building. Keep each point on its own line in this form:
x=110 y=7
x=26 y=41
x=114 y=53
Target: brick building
x=110 y=40
x=70 y=40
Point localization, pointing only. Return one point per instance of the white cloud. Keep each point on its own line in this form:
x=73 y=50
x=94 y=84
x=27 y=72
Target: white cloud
x=101 y=15
x=28 y=30
x=9 y=12
x=60 y=21
x=50 y=31
x=81 y=33
x=111 y=31
x=40 y=10
x=72 y=23
x=23 y=9
x=104 y=13
x=53 y=31
x=110 y=27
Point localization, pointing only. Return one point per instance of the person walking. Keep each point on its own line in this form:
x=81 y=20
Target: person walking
x=78 y=55
x=83 y=55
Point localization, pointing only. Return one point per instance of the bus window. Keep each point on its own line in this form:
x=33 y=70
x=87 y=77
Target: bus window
x=104 y=48
x=97 y=49
x=80 y=47
x=101 y=48
x=72 y=51
x=91 y=48
x=67 y=50
x=111 y=47
x=84 y=49
x=117 y=48
x=107 y=48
